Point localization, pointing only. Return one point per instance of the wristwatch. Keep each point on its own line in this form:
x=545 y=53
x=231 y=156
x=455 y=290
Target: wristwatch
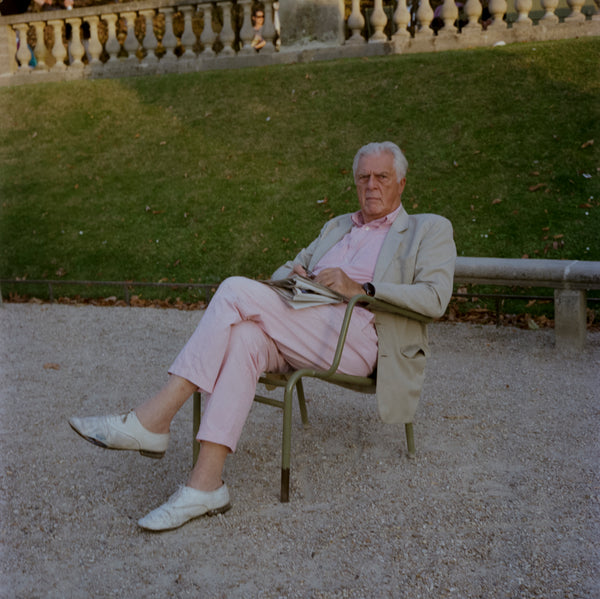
x=369 y=289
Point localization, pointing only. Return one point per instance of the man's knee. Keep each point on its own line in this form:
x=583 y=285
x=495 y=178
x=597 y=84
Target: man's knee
x=252 y=345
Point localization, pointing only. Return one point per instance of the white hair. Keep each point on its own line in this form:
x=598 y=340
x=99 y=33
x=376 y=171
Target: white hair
x=400 y=162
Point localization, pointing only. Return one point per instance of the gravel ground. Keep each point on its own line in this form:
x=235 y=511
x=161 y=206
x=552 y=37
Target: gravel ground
x=503 y=499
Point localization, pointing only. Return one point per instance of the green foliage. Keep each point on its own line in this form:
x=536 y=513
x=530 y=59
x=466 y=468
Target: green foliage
x=199 y=176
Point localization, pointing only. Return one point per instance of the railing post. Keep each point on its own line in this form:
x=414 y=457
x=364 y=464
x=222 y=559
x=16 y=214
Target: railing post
x=576 y=14
x=401 y=21
x=449 y=15
x=94 y=45
x=247 y=31
x=424 y=18
x=23 y=55
x=76 y=49
x=169 y=41
x=131 y=43
x=523 y=8
x=227 y=35
x=356 y=23
x=473 y=10
x=40 y=46
x=150 y=43
x=497 y=9
x=207 y=37
x=550 y=17
x=113 y=47
x=378 y=22
x=188 y=39
x=268 y=30
x=59 y=51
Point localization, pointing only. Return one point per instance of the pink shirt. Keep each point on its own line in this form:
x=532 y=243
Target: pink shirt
x=357 y=252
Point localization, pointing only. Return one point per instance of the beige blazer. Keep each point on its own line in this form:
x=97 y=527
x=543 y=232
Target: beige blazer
x=414 y=270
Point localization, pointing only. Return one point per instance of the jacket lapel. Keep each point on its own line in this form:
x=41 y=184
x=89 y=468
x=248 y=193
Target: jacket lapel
x=390 y=244
x=338 y=229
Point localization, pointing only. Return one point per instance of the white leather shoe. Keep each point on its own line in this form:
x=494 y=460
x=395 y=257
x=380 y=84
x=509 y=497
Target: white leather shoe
x=185 y=505
x=121 y=432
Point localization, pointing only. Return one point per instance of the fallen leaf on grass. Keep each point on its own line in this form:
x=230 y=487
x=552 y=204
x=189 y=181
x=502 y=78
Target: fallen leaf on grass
x=537 y=186
x=496 y=201
x=588 y=143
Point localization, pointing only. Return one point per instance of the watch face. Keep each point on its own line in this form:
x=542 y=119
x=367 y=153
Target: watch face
x=369 y=289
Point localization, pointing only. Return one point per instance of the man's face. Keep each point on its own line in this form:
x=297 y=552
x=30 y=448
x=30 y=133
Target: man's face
x=378 y=188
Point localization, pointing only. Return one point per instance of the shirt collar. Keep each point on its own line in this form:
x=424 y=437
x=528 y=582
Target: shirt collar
x=388 y=219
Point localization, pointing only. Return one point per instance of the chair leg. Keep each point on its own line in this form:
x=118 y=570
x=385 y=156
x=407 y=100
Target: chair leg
x=286 y=442
x=197 y=399
x=410 y=439
x=302 y=402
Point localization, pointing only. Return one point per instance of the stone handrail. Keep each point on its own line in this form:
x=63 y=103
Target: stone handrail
x=570 y=279
x=156 y=36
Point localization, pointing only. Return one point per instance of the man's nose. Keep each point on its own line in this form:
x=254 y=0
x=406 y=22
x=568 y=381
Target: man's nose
x=371 y=181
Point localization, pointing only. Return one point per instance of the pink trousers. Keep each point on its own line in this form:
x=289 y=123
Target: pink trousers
x=248 y=329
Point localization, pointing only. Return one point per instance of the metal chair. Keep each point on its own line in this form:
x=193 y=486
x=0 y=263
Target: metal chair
x=291 y=381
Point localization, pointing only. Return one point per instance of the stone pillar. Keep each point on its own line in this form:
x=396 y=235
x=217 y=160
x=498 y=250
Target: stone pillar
x=8 y=49
x=570 y=319
x=312 y=21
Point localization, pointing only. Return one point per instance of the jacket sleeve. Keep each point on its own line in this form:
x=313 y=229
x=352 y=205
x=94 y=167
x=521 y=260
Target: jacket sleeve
x=422 y=280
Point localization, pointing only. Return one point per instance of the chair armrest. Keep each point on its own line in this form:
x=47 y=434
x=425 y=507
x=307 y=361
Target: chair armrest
x=377 y=305
x=373 y=304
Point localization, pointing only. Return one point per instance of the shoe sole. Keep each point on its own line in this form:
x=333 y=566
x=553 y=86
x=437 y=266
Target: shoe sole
x=156 y=455
x=215 y=512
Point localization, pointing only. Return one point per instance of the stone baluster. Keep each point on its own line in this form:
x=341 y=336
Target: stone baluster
x=150 y=43
x=40 y=46
x=94 y=45
x=188 y=38
x=401 y=20
x=576 y=14
x=473 y=10
x=207 y=37
x=113 y=47
x=449 y=15
x=131 y=43
x=76 y=49
x=169 y=40
x=424 y=18
x=247 y=31
x=550 y=17
x=58 y=50
x=497 y=9
x=523 y=8
x=23 y=54
x=227 y=35
x=356 y=23
x=378 y=22
x=268 y=30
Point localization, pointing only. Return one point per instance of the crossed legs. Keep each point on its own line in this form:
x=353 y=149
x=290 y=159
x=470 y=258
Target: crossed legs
x=246 y=330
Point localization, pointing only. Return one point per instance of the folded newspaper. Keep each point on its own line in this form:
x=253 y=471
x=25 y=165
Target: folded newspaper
x=301 y=292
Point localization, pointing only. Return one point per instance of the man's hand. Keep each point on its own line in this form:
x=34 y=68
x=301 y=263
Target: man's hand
x=338 y=280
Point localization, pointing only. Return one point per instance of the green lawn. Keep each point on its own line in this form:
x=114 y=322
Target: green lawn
x=195 y=177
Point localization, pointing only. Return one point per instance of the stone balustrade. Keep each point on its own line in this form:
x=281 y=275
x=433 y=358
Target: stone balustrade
x=160 y=36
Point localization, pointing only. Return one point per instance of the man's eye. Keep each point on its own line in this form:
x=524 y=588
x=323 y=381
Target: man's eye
x=382 y=178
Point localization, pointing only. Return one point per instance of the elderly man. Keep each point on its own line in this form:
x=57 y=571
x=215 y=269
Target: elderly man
x=248 y=329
